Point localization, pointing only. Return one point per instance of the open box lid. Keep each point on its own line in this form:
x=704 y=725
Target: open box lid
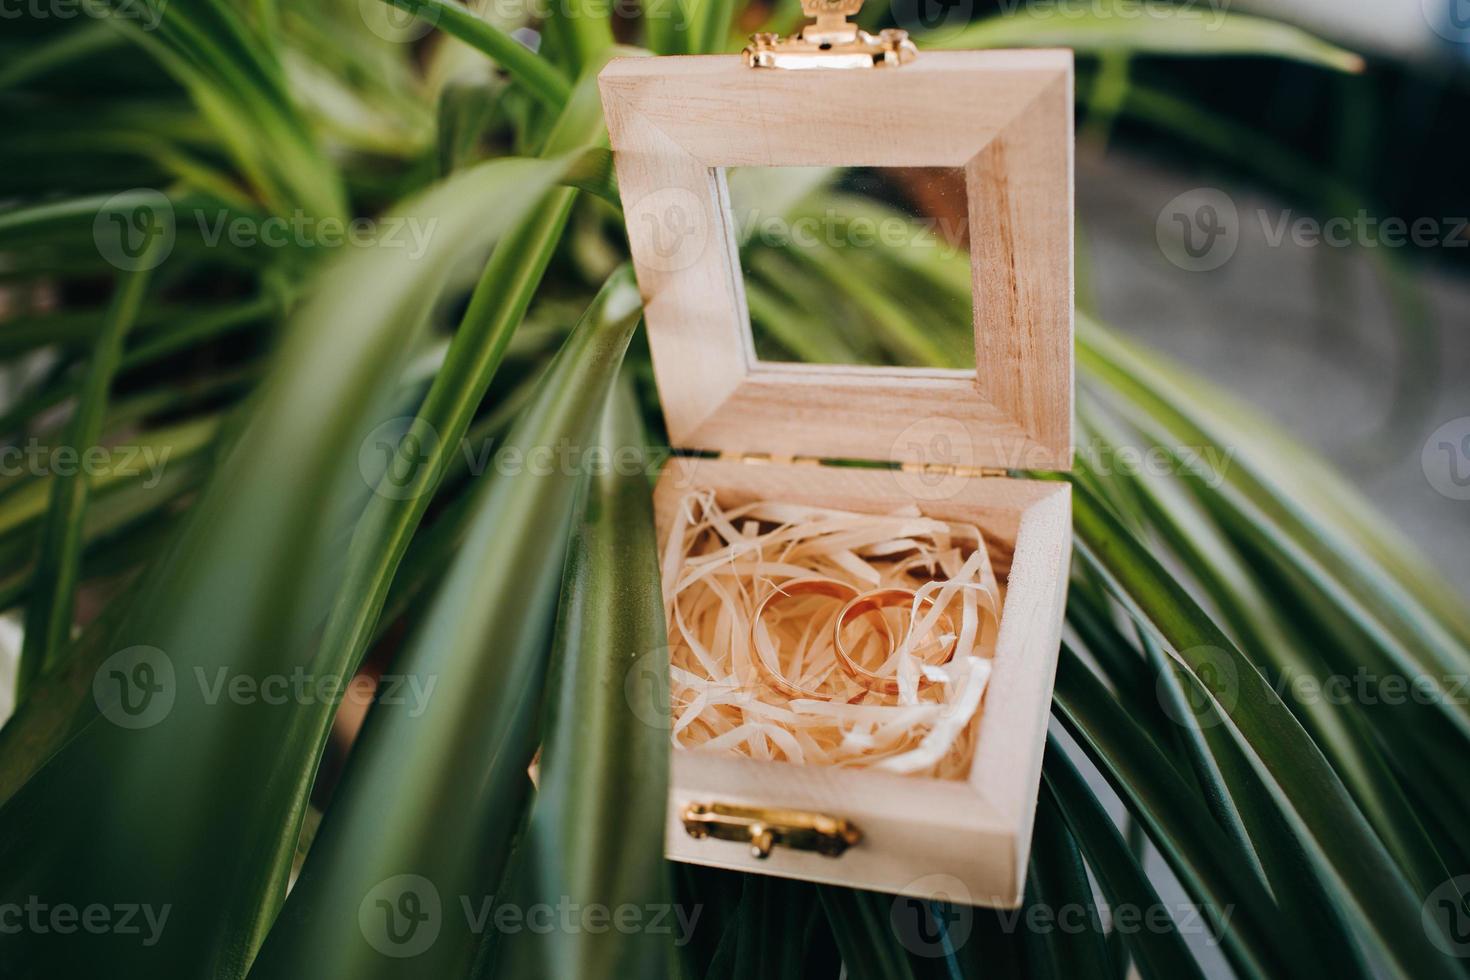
x=1005 y=117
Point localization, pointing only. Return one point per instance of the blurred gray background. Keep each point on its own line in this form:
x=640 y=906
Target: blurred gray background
x=1305 y=333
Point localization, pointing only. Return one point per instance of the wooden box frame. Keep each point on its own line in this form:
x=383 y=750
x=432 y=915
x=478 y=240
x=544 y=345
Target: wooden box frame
x=1005 y=117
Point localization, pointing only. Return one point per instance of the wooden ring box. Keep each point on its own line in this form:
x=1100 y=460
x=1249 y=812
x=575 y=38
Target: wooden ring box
x=1005 y=117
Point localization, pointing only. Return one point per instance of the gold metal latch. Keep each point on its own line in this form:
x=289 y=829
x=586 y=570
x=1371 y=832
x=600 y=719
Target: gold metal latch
x=831 y=41
x=765 y=827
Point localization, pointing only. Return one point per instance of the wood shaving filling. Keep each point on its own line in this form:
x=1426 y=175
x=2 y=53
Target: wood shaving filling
x=718 y=564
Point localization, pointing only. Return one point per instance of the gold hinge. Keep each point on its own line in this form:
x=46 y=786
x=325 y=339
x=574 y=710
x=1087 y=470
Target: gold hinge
x=831 y=41
x=945 y=469
x=761 y=459
x=934 y=469
x=764 y=827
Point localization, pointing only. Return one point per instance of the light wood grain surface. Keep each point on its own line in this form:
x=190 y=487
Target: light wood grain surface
x=1004 y=116
x=976 y=832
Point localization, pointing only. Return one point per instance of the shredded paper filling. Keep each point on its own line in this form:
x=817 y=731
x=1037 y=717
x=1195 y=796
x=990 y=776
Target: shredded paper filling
x=932 y=652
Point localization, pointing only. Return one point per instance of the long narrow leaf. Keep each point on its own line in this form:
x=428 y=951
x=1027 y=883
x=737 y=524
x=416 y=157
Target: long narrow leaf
x=162 y=788
x=607 y=730
x=1161 y=953
x=1329 y=826
x=540 y=78
x=403 y=871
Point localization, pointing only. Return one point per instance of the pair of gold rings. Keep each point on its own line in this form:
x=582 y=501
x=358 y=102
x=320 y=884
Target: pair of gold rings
x=857 y=605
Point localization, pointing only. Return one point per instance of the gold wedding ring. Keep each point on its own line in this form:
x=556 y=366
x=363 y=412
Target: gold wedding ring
x=770 y=673
x=872 y=602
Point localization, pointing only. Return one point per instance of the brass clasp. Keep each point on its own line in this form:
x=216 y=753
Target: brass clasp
x=831 y=41
x=765 y=827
